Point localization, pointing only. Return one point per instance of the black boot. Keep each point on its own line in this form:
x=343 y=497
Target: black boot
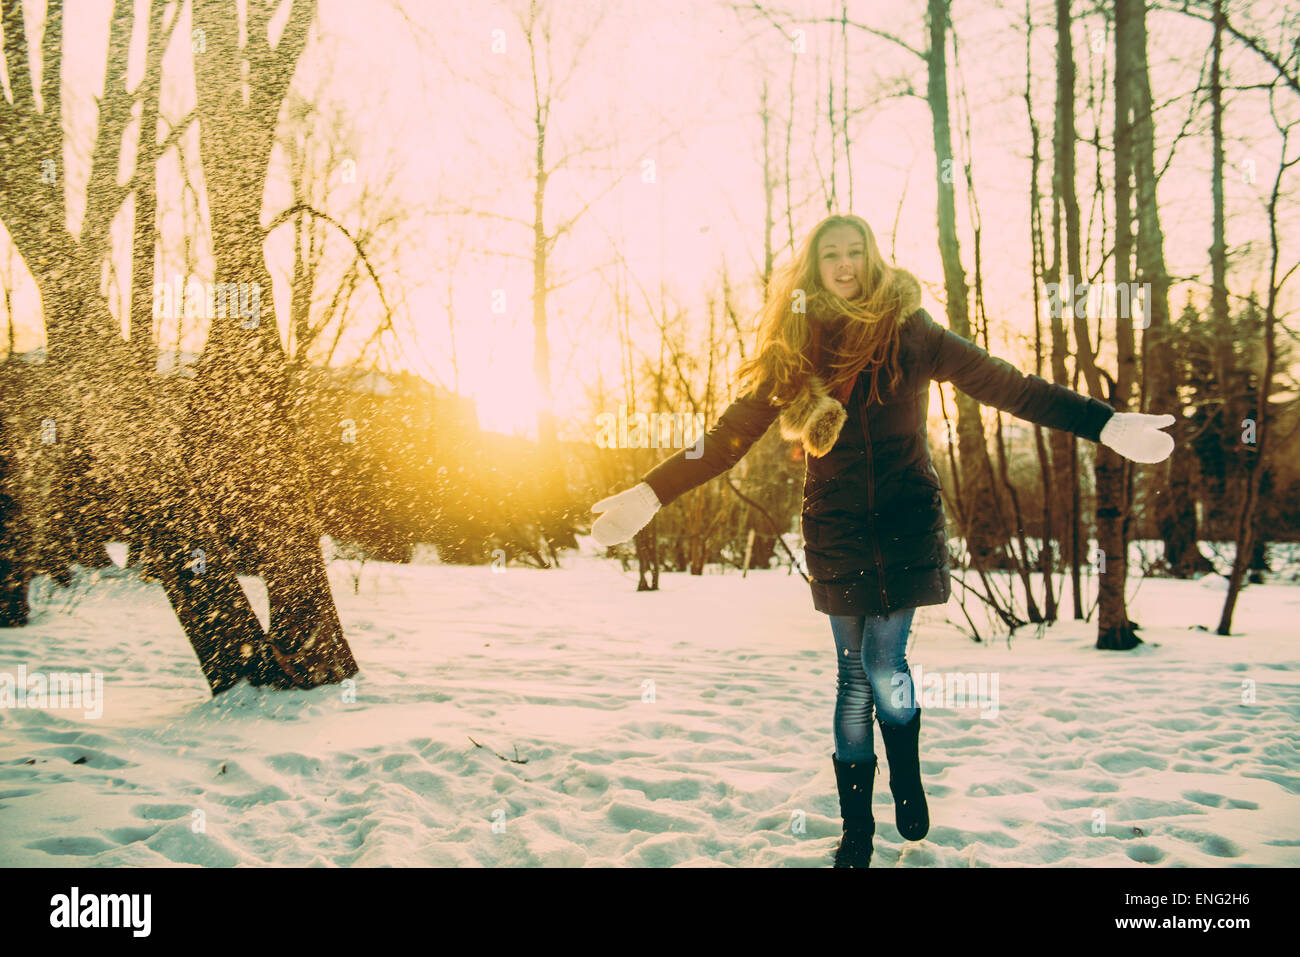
x=901 y=750
x=854 y=780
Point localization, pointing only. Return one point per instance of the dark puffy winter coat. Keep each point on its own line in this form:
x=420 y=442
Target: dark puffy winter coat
x=873 y=518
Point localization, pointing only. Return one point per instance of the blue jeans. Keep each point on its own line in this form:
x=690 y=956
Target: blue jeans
x=872 y=650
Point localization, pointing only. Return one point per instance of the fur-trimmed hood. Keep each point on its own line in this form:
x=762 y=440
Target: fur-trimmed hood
x=814 y=417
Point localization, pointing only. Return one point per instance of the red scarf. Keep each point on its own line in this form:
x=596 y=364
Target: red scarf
x=844 y=391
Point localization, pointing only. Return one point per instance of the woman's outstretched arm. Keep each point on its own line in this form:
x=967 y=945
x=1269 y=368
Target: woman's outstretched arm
x=737 y=429
x=996 y=382
x=741 y=425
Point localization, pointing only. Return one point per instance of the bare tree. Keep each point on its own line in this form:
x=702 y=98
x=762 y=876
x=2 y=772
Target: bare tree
x=244 y=386
x=1247 y=532
x=129 y=433
x=1038 y=271
x=1114 y=630
x=1176 y=514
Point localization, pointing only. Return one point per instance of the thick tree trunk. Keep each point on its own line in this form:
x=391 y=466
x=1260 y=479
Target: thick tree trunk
x=1064 y=446
x=984 y=539
x=1114 y=630
x=260 y=479
x=93 y=390
x=67 y=433
x=243 y=386
x=89 y=371
x=201 y=585
x=1175 y=510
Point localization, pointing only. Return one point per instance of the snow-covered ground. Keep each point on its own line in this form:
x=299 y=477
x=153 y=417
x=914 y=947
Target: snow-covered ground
x=686 y=727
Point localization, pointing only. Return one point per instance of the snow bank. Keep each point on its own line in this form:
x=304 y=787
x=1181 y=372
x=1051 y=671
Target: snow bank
x=686 y=727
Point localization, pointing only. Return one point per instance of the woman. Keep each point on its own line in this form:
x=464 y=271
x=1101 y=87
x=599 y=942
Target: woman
x=845 y=358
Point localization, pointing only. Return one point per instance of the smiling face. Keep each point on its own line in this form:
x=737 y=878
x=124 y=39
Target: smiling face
x=841 y=255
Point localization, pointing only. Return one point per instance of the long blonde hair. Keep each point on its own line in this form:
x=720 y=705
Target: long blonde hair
x=806 y=329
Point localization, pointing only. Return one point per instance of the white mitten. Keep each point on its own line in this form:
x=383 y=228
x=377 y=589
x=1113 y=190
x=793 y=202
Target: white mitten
x=625 y=514
x=1137 y=436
